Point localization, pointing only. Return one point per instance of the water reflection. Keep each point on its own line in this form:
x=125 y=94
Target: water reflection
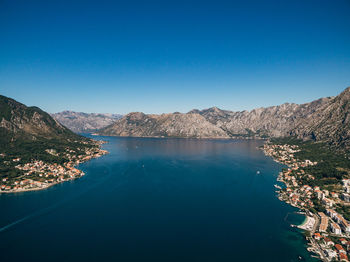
x=134 y=148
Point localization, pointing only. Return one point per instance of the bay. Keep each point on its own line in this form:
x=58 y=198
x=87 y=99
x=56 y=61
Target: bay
x=158 y=199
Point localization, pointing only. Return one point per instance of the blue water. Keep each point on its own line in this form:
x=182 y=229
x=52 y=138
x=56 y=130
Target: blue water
x=157 y=200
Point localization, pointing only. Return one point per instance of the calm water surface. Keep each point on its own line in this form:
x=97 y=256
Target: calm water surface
x=157 y=200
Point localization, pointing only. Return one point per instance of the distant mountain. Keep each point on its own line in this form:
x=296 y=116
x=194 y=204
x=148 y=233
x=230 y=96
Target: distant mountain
x=275 y=121
x=325 y=119
x=165 y=125
x=85 y=122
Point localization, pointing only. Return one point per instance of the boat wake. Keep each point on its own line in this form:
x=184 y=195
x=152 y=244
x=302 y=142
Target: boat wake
x=52 y=207
x=37 y=213
x=14 y=223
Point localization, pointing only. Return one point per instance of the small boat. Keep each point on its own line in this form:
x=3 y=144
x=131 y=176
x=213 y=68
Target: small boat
x=258 y=172
x=277 y=186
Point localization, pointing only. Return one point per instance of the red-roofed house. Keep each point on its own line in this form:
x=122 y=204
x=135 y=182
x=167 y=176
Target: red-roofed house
x=343 y=241
x=328 y=242
x=343 y=257
x=340 y=249
x=317 y=236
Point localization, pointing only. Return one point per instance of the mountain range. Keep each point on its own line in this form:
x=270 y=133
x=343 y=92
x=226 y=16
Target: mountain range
x=85 y=122
x=325 y=119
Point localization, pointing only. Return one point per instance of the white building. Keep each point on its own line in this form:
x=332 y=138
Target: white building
x=346 y=197
x=331 y=253
x=327 y=202
x=347 y=189
x=335 y=228
x=346 y=182
x=331 y=213
x=344 y=224
x=319 y=194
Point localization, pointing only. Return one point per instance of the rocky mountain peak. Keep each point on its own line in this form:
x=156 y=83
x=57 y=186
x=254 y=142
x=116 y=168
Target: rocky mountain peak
x=135 y=116
x=325 y=119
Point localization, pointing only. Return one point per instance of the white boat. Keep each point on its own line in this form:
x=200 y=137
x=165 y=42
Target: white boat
x=277 y=186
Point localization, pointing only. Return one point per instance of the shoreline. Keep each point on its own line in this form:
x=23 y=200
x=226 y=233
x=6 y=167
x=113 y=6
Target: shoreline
x=195 y=138
x=301 y=210
x=80 y=173
x=304 y=221
x=319 y=225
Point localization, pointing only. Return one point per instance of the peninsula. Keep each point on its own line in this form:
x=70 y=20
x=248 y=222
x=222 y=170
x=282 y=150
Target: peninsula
x=36 y=151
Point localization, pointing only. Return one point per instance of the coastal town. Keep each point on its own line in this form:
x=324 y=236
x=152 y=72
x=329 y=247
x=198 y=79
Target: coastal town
x=37 y=174
x=327 y=229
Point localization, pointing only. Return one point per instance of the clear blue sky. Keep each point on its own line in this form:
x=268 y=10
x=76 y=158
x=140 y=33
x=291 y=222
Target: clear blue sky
x=166 y=56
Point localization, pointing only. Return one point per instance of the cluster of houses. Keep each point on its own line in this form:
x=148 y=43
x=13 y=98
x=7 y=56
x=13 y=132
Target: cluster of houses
x=326 y=225
x=333 y=251
x=38 y=174
x=299 y=197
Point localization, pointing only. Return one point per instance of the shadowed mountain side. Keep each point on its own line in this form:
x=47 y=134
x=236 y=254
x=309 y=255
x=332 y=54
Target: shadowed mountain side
x=19 y=122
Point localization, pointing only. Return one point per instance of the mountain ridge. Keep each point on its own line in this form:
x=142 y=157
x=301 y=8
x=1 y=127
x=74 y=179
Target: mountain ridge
x=19 y=121
x=80 y=122
x=164 y=125
x=324 y=119
x=27 y=132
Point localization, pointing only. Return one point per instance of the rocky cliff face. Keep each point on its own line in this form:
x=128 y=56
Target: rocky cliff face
x=83 y=122
x=330 y=122
x=275 y=121
x=325 y=119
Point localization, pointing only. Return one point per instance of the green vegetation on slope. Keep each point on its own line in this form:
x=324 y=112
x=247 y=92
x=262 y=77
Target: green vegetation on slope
x=332 y=165
x=26 y=133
